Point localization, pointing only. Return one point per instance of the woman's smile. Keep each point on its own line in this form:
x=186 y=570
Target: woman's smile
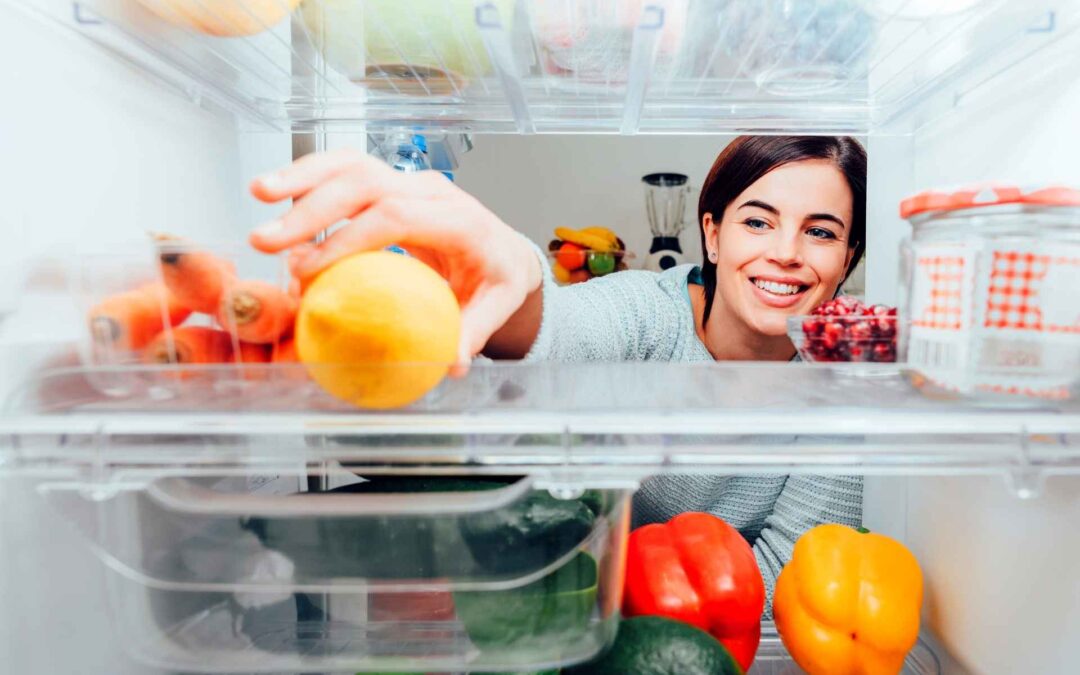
x=778 y=292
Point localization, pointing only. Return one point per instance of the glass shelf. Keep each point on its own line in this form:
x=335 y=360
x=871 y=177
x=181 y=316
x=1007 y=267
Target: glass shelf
x=597 y=424
x=592 y=66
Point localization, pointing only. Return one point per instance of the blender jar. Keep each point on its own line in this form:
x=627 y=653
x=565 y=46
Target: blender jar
x=666 y=197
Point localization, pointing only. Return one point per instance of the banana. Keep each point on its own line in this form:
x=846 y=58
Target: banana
x=592 y=242
x=601 y=232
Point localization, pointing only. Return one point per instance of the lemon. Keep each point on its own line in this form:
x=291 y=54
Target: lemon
x=378 y=329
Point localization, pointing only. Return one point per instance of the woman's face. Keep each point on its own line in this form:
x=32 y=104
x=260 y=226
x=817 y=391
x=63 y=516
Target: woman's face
x=782 y=245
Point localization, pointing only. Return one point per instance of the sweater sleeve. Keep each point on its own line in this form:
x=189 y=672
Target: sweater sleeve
x=620 y=317
x=804 y=502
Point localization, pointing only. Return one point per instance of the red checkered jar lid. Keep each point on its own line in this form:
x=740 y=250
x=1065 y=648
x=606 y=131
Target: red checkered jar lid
x=986 y=195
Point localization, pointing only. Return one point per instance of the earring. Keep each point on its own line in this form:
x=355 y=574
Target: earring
x=712 y=256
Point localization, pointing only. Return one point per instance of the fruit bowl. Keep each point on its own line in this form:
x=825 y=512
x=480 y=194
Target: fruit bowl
x=845 y=330
x=597 y=264
x=580 y=255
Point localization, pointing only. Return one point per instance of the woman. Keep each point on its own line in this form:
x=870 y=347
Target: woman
x=782 y=225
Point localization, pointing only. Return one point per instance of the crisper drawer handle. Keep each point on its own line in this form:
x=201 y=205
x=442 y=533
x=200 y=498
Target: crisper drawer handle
x=182 y=495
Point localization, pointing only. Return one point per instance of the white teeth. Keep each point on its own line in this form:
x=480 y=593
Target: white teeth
x=777 y=288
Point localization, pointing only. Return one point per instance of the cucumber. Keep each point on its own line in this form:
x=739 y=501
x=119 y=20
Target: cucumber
x=527 y=535
x=542 y=616
x=521 y=537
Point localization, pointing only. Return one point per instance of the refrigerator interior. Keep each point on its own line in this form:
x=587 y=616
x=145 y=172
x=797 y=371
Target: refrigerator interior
x=120 y=99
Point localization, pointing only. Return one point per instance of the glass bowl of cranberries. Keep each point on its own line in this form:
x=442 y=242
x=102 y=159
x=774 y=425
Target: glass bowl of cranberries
x=846 y=330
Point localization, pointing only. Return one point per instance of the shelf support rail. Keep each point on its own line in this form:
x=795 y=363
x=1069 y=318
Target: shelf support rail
x=643 y=51
x=1026 y=480
x=497 y=43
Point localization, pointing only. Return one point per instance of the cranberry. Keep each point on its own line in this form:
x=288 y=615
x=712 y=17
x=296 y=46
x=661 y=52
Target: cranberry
x=860 y=352
x=842 y=306
x=884 y=352
x=860 y=330
x=813 y=326
x=883 y=327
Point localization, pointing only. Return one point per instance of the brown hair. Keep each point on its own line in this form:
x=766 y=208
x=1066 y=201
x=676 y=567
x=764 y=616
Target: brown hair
x=748 y=158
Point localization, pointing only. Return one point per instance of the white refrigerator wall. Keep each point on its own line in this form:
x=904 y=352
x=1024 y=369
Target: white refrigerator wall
x=1003 y=587
x=94 y=154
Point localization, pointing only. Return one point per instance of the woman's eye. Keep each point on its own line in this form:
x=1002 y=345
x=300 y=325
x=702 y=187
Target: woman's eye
x=756 y=224
x=820 y=233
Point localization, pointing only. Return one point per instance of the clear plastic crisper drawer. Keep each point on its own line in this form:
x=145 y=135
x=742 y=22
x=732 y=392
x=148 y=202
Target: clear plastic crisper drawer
x=603 y=66
x=247 y=573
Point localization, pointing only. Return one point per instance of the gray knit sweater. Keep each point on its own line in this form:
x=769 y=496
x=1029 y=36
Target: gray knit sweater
x=644 y=316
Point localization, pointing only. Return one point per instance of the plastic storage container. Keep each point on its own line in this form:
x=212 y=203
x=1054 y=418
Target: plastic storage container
x=798 y=47
x=144 y=338
x=861 y=339
x=244 y=572
x=979 y=269
x=176 y=319
x=591 y=42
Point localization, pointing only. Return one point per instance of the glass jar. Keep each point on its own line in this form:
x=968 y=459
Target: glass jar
x=990 y=276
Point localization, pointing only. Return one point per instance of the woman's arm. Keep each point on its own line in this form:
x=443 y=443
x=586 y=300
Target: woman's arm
x=620 y=317
x=510 y=304
x=804 y=501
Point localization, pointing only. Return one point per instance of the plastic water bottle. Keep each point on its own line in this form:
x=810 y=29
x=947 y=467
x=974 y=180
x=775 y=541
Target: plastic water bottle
x=406 y=152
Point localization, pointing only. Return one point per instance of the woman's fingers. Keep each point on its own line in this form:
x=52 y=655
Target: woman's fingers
x=327 y=188
x=320 y=209
x=369 y=231
x=342 y=197
x=485 y=312
x=310 y=171
x=396 y=220
x=481 y=317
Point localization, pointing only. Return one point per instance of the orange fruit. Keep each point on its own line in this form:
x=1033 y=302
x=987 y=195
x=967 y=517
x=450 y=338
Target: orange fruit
x=571 y=256
x=227 y=18
x=378 y=329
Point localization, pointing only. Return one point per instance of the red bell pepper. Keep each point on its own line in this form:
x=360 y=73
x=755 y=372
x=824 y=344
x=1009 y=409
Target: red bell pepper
x=698 y=569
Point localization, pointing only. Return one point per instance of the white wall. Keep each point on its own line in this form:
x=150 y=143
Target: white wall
x=538 y=183
x=93 y=155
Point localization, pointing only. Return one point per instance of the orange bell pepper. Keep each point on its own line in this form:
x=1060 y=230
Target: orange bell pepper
x=848 y=602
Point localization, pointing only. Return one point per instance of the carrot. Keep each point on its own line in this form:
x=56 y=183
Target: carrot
x=197 y=278
x=130 y=320
x=285 y=352
x=250 y=352
x=189 y=345
x=256 y=311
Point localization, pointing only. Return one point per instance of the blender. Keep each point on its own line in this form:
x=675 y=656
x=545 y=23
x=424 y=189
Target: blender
x=666 y=195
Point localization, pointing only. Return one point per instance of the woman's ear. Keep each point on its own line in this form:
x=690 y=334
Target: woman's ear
x=711 y=230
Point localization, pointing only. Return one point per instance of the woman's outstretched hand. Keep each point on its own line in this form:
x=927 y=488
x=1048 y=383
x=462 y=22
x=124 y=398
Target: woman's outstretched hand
x=490 y=267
